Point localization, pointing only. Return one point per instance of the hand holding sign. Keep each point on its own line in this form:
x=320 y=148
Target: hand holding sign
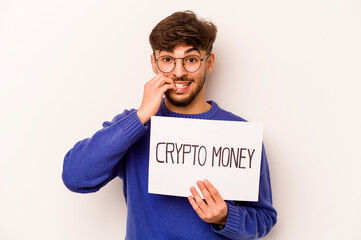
x=214 y=209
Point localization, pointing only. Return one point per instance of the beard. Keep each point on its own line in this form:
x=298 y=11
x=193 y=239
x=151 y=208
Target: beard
x=183 y=102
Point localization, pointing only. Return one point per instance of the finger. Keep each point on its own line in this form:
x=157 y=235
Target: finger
x=203 y=206
x=161 y=81
x=166 y=87
x=155 y=79
x=213 y=191
x=206 y=194
x=195 y=207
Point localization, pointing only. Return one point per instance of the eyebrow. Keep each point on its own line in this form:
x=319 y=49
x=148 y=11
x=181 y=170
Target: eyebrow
x=191 y=50
x=186 y=51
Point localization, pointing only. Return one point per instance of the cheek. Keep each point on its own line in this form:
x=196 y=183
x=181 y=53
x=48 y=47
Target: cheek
x=199 y=76
x=168 y=75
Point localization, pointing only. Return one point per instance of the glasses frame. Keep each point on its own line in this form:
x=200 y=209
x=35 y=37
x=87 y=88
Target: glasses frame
x=208 y=54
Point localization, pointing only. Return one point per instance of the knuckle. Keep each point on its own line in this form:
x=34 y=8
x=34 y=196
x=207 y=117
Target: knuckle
x=207 y=216
x=214 y=191
x=215 y=212
x=205 y=194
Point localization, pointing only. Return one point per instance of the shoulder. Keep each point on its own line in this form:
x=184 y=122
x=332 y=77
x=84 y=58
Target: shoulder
x=226 y=115
x=119 y=117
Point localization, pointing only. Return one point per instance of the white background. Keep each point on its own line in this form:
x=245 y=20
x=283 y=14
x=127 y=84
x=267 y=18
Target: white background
x=67 y=66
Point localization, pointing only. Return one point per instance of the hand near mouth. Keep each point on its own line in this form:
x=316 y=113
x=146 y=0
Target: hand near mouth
x=153 y=93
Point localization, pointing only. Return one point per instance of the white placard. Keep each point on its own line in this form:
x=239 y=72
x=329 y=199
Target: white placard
x=227 y=153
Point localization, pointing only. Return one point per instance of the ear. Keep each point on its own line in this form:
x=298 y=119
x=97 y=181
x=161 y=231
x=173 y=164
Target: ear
x=210 y=63
x=154 y=64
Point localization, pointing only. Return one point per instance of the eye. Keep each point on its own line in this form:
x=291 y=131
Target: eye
x=192 y=59
x=166 y=59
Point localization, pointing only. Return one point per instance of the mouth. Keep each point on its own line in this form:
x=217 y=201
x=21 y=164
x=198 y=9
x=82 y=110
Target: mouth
x=182 y=86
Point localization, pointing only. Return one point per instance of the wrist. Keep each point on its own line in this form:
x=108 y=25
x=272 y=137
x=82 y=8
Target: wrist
x=142 y=117
x=218 y=227
x=223 y=222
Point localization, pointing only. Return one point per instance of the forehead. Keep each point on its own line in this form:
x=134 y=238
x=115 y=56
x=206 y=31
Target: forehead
x=181 y=50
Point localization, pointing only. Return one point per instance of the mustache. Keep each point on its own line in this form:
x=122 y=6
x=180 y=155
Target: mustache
x=183 y=79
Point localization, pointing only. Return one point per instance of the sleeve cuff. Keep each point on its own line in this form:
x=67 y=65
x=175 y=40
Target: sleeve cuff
x=132 y=126
x=233 y=221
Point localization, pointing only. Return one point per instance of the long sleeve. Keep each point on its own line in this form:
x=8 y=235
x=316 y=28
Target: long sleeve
x=94 y=161
x=252 y=220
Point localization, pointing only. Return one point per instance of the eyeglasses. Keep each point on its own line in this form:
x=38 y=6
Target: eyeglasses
x=191 y=63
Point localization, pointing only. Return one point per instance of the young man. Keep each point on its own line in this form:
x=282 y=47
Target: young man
x=181 y=58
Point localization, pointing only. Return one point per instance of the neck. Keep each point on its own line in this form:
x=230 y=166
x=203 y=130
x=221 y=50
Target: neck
x=197 y=106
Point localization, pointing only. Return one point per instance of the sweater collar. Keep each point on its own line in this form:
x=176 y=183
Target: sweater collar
x=164 y=111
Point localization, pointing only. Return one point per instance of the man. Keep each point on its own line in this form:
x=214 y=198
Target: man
x=181 y=58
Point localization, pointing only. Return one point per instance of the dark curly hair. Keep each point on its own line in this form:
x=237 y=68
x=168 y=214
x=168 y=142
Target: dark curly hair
x=183 y=28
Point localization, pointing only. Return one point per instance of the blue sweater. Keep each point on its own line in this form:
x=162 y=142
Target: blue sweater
x=121 y=149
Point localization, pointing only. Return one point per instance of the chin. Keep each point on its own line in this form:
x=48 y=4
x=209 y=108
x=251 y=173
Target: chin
x=180 y=102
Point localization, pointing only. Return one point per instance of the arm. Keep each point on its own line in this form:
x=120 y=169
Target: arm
x=94 y=161
x=244 y=220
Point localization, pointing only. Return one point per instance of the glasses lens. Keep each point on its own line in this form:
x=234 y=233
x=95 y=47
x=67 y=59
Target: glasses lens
x=192 y=63
x=165 y=63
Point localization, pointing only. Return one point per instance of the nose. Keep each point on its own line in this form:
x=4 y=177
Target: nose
x=179 y=70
